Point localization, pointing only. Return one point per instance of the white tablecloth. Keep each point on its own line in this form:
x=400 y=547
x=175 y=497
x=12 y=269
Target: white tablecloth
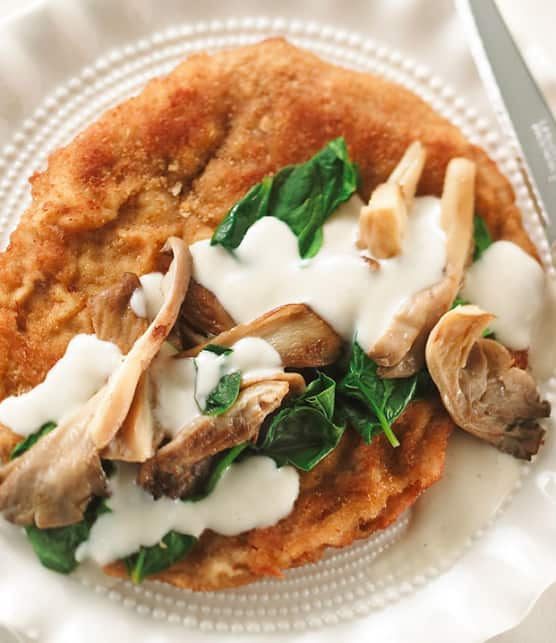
x=426 y=30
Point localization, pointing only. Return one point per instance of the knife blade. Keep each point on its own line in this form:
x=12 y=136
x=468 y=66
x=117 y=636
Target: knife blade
x=517 y=100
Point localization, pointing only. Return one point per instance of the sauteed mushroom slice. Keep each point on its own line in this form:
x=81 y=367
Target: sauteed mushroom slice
x=383 y=222
x=300 y=336
x=180 y=467
x=120 y=389
x=400 y=351
x=114 y=321
x=139 y=436
x=203 y=313
x=482 y=389
x=51 y=484
x=112 y=317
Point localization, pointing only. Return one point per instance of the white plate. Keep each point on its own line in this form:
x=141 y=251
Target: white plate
x=481 y=588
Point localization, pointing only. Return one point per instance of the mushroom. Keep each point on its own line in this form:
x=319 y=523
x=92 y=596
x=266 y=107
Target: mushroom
x=120 y=389
x=51 y=483
x=400 y=351
x=112 y=317
x=139 y=435
x=202 y=312
x=114 y=321
x=383 y=222
x=300 y=336
x=180 y=467
x=482 y=389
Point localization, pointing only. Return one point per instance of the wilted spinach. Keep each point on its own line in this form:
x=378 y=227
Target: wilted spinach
x=303 y=196
x=32 y=439
x=482 y=237
x=370 y=403
x=151 y=560
x=302 y=432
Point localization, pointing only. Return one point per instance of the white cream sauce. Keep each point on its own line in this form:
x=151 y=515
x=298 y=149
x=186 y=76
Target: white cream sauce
x=252 y=356
x=82 y=371
x=477 y=479
x=147 y=300
x=253 y=493
x=178 y=382
x=510 y=284
x=174 y=386
x=266 y=271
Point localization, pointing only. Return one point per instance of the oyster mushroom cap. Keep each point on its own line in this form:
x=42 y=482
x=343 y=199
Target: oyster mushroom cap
x=481 y=388
x=400 y=351
x=299 y=336
x=51 y=483
x=111 y=315
x=180 y=466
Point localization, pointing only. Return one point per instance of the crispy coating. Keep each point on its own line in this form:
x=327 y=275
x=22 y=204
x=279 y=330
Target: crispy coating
x=355 y=491
x=172 y=161
x=212 y=128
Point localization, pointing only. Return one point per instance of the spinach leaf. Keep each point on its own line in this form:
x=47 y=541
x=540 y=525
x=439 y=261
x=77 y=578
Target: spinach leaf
x=151 y=560
x=383 y=399
x=56 y=547
x=223 y=463
x=303 y=433
x=225 y=460
x=459 y=301
x=32 y=439
x=303 y=196
x=482 y=237
x=223 y=395
x=218 y=350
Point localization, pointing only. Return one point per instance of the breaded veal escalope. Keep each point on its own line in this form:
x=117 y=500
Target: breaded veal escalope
x=172 y=161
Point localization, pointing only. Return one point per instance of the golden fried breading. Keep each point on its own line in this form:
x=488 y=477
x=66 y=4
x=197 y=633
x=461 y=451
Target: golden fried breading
x=355 y=491
x=172 y=161
x=212 y=128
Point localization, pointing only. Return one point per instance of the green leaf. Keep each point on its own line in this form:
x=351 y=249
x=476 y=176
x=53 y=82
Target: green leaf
x=224 y=461
x=303 y=196
x=218 y=350
x=302 y=433
x=481 y=236
x=384 y=399
x=32 y=439
x=56 y=547
x=223 y=395
x=459 y=301
x=151 y=560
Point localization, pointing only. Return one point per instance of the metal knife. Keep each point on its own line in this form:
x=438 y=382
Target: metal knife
x=517 y=100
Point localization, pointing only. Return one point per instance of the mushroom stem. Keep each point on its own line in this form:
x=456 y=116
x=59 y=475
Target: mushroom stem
x=458 y=199
x=408 y=171
x=401 y=350
x=383 y=222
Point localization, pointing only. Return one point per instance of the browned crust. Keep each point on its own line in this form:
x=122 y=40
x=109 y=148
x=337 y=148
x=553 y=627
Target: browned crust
x=213 y=127
x=216 y=125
